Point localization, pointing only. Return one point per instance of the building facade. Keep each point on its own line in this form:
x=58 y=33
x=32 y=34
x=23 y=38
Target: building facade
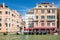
x=10 y=20
x=44 y=17
x=58 y=18
x=29 y=19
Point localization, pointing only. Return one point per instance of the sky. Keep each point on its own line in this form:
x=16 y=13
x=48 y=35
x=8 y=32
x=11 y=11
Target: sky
x=22 y=6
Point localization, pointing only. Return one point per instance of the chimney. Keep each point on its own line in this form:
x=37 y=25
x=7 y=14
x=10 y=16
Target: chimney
x=52 y=3
x=3 y=5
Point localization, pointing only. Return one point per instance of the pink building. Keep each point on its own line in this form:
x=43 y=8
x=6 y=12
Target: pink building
x=45 y=18
x=10 y=20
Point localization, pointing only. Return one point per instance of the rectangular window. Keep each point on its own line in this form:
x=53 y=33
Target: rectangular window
x=48 y=23
x=42 y=17
x=50 y=17
x=45 y=6
x=53 y=24
x=50 y=6
x=31 y=24
x=40 y=6
x=13 y=15
x=0 y=28
x=0 y=19
x=0 y=12
x=42 y=11
x=42 y=24
x=17 y=25
x=7 y=20
x=36 y=17
x=7 y=24
x=36 y=11
x=48 y=11
x=7 y=12
x=53 y=11
x=6 y=28
x=0 y=24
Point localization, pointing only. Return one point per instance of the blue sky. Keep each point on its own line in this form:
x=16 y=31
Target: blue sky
x=23 y=6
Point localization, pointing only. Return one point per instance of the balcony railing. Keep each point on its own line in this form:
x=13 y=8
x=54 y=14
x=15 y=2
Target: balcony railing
x=51 y=19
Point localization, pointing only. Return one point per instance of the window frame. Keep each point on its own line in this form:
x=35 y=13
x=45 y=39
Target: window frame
x=53 y=11
x=53 y=23
x=0 y=24
x=0 y=12
x=48 y=23
x=48 y=11
x=42 y=23
x=7 y=12
x=43 y=17
x=36 y=17
x=42 y=11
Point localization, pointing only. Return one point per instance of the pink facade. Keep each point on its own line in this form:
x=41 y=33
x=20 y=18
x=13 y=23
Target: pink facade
x=45 y=18
x=10 y=20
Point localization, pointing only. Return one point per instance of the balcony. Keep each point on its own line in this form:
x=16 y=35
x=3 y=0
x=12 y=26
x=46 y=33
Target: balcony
x=51 y=19
x=48 y=20
x=36 y=20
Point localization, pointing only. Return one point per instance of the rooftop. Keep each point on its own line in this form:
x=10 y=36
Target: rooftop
x=3 y=5
x=45 y=3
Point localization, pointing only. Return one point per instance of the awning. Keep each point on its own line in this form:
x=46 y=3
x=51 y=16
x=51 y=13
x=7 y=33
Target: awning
x=40 y=28
x=28 y=28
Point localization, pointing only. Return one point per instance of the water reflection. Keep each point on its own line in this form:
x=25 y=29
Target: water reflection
x=24 y=37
